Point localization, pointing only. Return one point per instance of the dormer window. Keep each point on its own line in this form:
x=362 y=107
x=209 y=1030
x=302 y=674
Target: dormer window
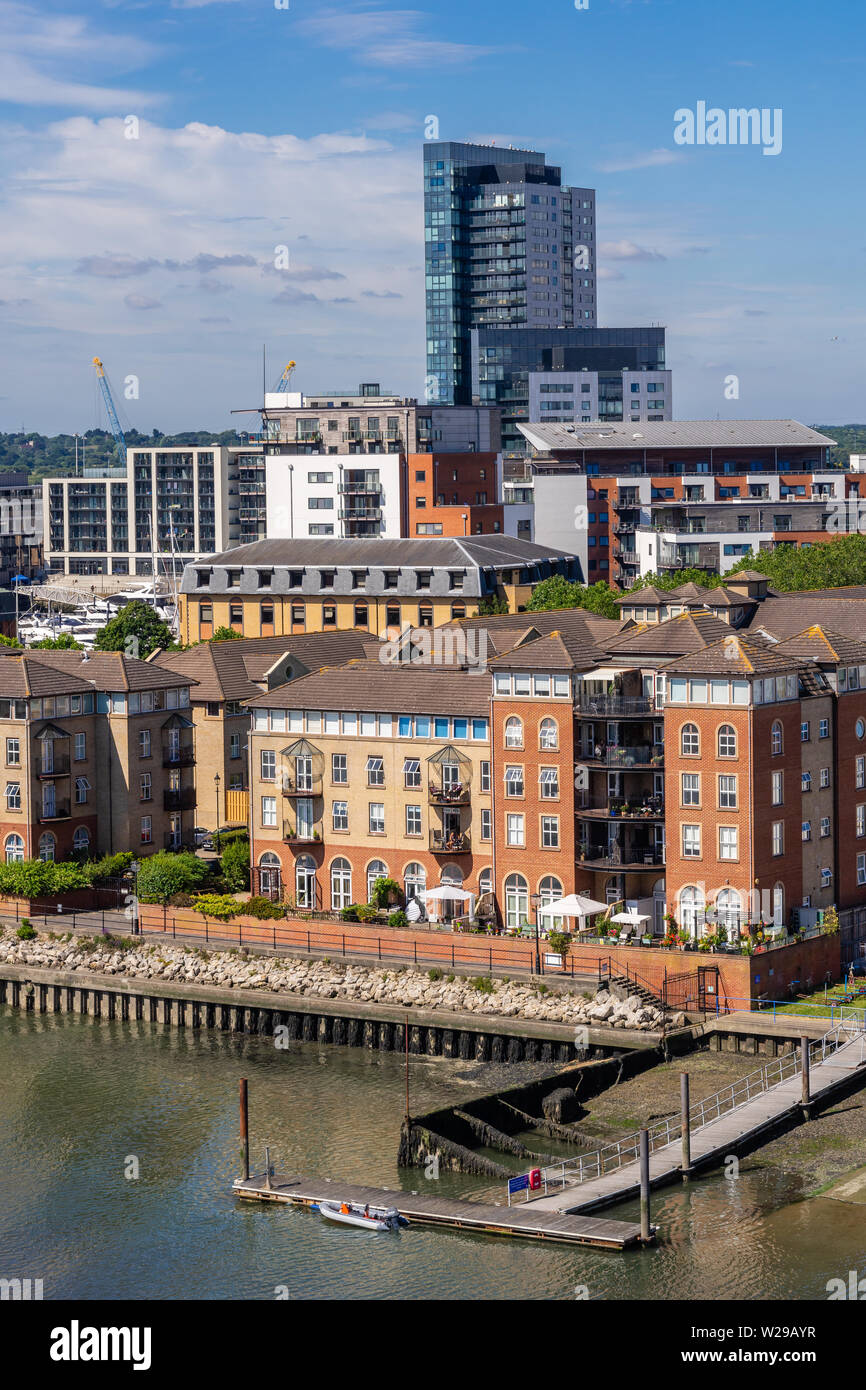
x=234 y=578
x=202 y=579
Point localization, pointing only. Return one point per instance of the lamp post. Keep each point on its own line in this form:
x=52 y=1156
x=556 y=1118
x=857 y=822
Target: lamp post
x=536 y=904
x=216 y=783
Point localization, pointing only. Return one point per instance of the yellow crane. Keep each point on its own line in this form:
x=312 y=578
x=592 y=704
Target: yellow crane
x=285 y=380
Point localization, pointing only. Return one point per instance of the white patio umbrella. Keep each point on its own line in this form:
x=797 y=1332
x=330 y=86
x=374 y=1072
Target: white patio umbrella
x=574 y=905
x=447 y=892
x=630 y=918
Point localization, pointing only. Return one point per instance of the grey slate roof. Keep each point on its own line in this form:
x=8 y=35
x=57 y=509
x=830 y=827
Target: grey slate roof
x=684 y=434
x=369 y=686
x=230 y=670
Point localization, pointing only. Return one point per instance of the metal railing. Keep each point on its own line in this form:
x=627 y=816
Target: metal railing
x=574 y=1171
x=613 y=704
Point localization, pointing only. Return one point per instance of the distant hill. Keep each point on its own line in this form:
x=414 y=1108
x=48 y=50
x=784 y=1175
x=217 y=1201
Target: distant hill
x=44 y=455
x=850 y=439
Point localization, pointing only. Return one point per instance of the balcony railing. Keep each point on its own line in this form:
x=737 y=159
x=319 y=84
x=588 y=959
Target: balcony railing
x=617 y=705
x=306 y=786
x=620 y=857
x=357 y=489
x=59 y=811
x=635 y=808
x=639 y=755
x=456 y=795
x=58 y=766
x=178 y=799
x=293 y=836
x=449 y=841
x=178 y=757
x=361 y=513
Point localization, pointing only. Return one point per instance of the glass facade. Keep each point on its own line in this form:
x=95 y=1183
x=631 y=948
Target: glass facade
x=503 y=359
x=500 y=249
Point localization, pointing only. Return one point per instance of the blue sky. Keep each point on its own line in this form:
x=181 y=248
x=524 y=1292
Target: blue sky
x=261 y=127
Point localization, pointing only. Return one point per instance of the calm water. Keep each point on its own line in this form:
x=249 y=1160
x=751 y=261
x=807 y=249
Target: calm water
x=77 y=1096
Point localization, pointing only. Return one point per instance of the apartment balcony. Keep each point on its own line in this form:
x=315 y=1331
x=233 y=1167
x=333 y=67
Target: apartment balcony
x=179 y=799
x=620 y=857
x=614 y=706
x=305 y=836
x=178 y=757
x=450 y=842
x=360 y=513
x=624 y=528
x=649 y=807
x=457 y=794
x=307 y=438
x=59 y=811
x=58 y=766
x=353 y=488
x=303 y=787
x=626 y=756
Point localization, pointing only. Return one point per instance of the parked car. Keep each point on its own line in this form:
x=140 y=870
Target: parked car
x=199 y=836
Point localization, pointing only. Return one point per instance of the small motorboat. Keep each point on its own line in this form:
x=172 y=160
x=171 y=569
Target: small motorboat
x=369 y=1218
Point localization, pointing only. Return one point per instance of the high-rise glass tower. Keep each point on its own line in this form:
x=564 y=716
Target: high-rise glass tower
x=507 y=246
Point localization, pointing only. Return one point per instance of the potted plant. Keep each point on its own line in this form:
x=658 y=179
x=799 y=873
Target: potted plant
x=684 y=940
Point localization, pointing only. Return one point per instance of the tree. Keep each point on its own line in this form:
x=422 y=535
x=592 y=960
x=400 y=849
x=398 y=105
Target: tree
x=235 y=864
x=9 y=641
x=557 y=592
x=39 y=878
x=489 y=607
x=64 y=643
x=225 y=634
x=165 y=873
x=136 y=630
x=672 y=579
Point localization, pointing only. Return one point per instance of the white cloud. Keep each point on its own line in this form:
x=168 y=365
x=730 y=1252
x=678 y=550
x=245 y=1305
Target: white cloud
x=43 y=58
x=651 y=159
x=387 y=38
x=626 y=250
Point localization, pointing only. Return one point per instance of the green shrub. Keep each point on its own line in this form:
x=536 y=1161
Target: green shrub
x=26 y=932
x=349 y=914
x=109 y=866
x=434 y=974
x=165 y=873
x=366 y=912
x=235 y=864
x=219 y=905
x=386 y=891
x=263 y=908
x=483 y=984
x=398 y=918
x=560 y=941
x=181 y=900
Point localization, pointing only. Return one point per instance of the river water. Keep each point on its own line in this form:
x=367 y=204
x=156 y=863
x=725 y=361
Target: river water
x=80 y=1098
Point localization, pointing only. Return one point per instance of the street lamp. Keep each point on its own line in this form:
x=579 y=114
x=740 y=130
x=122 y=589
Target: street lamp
x=536 y=901
x=216 y=783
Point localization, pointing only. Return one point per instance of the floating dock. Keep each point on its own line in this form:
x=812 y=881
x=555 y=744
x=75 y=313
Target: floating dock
x=525 y=1220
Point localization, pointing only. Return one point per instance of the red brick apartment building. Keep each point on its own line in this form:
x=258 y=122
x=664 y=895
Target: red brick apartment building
x=680 y=765
x=668 y=495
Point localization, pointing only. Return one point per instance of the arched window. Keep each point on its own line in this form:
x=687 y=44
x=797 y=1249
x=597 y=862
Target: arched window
x=514 y=732
x=375 y=869
x=14 y=849
x=690 y=740
x=779 y=905
x=47 y=845
x=548 y=734
x=305 y=881
x=727 y=741
x=269 y=876
x=458 y=610
x=777 y=743
x=341 y=884
x=516 y=900
x=550 y=891
x=81 y=839
x=452 y=873
x=692 y=907
x=729 y=912
x=414 y=880
x=485 y=882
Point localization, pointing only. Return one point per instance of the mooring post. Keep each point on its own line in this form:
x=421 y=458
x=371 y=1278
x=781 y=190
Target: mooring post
x=686 y=1125
x=267 y=1168
x=645 y=1227
x=804 y=1057
x=245 y=1129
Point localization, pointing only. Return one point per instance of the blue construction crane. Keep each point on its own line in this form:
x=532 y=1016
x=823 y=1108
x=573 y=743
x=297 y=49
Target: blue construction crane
x=113 y=421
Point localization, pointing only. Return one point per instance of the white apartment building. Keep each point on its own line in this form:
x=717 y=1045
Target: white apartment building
x=582 y=397
x=166 y=507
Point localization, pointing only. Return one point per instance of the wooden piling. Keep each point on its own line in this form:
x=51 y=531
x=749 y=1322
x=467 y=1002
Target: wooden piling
x=245 y=1132
x=645 y=1226
x=686 y=1125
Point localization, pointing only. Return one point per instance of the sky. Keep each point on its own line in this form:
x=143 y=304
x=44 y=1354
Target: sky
x=187 y=181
